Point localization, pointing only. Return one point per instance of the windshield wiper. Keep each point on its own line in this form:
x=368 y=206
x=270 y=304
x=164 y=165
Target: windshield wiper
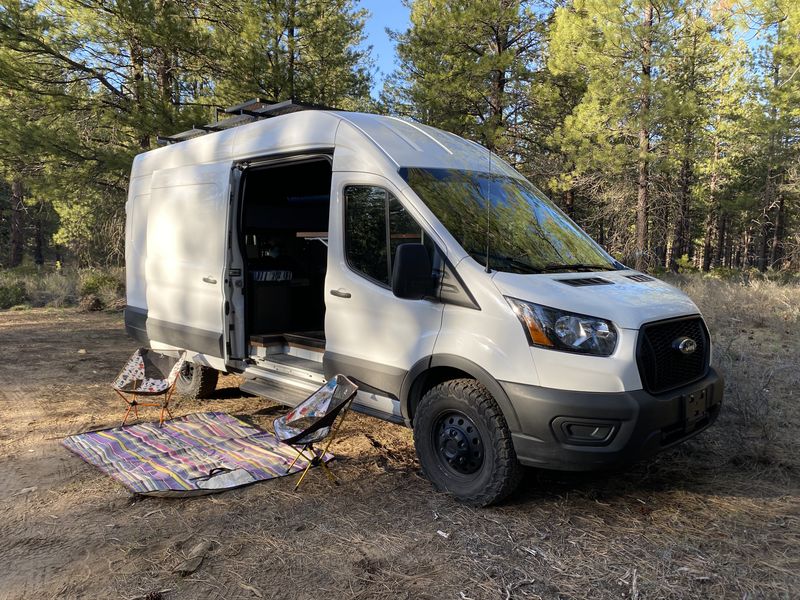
x=577 y=267
x=511 y=262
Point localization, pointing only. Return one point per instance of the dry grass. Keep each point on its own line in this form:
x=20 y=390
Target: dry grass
x=718 y=517
x=28 y=286
x=754 y=329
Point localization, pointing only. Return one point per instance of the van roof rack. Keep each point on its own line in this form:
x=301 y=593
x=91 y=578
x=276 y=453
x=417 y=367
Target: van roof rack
x=241 y=114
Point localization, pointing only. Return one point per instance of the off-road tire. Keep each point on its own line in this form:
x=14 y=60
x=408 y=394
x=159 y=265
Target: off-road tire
x=197 y=381
x=499 y=473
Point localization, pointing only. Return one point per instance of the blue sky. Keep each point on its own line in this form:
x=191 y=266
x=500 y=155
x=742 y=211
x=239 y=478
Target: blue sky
x=384 y=13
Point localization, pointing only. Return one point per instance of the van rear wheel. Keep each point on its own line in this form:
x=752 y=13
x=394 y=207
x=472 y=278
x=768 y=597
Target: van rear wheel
x=463 y=443
x=197 y=381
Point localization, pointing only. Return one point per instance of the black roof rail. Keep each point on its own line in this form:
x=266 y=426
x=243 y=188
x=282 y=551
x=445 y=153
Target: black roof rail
x=241 y=114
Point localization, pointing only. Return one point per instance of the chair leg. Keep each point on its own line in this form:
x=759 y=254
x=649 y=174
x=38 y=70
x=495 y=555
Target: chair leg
x=319 y=456
x=313 y=461
x=303 y=476
x=127 y=412
x=326 y=469
x=299 y=454
x=336 y=429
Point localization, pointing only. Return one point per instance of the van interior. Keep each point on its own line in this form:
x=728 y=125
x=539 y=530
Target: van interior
x=284 y=237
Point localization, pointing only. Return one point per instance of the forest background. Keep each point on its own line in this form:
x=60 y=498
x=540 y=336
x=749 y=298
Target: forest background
x=667 y=129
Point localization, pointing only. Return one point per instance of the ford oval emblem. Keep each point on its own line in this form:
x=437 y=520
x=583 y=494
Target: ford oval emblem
x=685 y=345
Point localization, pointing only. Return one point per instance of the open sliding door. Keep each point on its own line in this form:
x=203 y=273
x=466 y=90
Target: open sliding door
x=187 y=261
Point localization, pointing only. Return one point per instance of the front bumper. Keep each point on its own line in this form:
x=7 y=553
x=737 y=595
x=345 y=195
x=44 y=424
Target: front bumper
x=585 y=431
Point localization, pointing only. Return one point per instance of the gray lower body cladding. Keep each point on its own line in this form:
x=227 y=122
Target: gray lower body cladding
x=585 y=431
x=143 y=329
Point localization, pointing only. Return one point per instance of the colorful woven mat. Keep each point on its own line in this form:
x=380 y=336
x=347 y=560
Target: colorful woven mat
x=200 y=453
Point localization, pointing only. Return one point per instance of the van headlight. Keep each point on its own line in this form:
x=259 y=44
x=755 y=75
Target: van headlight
x=558 y=330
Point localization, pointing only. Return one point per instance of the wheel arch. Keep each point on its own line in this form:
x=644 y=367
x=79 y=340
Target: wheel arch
x=437 y=368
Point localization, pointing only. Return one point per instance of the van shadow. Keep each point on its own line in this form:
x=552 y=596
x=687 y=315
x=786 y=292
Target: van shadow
x=228 y=393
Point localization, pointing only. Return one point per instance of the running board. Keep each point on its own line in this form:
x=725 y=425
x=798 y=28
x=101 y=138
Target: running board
x=293 y=366
x=282 y=394
x=291 y=391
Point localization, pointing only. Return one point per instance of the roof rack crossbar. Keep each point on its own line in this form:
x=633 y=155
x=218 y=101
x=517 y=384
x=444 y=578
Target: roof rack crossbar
x=243 y=113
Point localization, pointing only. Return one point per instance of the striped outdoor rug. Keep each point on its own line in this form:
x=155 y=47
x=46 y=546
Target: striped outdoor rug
x=201 y=453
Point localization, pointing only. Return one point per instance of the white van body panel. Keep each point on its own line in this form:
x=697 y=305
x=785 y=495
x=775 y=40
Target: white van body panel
x=137 y=208
x=495 y=340
x=491 y=337
x=372 y=324
x=408 y=144
x=185 y=252
x=628 y=304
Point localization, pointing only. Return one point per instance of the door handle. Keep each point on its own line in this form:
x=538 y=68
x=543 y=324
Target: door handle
x=340 y=293
x=209 y=279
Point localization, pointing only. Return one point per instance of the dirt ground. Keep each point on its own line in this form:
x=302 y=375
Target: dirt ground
x=716 y=518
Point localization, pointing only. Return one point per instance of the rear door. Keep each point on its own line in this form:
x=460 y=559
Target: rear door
x=371 y=335
x=187 y=233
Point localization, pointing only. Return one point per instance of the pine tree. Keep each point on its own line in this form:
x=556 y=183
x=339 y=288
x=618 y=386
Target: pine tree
x=307 y=50
x=466 y=66
x=620 y=49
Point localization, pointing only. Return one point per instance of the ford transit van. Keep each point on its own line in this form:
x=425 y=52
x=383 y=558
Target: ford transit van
x=289 y=244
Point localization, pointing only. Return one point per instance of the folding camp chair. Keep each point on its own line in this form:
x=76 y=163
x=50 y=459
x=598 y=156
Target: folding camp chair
x=148 y=374
x=312 y=421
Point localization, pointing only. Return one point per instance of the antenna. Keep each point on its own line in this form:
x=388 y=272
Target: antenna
x=488 y=211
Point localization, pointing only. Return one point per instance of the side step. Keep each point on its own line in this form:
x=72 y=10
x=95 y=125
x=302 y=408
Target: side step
x=277 y=392
x=283 y=387
x=293 y=366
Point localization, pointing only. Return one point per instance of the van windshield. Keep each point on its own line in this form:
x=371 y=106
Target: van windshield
x=521 y=232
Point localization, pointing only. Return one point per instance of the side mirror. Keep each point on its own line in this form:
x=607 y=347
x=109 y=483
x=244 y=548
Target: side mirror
x=412 y=276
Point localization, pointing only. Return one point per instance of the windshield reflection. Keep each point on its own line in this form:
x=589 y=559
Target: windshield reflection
x=527 y=233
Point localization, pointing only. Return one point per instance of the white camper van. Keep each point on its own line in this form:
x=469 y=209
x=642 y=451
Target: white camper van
x=303 y=243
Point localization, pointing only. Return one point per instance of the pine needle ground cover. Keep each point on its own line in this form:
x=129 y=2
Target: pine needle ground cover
x=718 y=517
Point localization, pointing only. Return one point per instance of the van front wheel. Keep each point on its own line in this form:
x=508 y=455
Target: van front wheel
x=197 y=381
x=463 y=443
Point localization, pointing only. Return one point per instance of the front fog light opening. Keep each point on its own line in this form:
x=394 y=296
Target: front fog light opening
x=584 y=432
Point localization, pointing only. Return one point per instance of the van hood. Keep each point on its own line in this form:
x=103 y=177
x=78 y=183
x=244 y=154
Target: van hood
x=626 y=302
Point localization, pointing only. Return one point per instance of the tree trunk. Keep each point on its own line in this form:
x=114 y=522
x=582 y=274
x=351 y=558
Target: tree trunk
x=659 y=232
x=291 y=44
x=763 y=247
x=499 y=81
x=17 y=240
x=722 y=241
x=776 y=255
x=769 y=183
x=679 y=239
x=707 y=246
x=713 y=212
x=38 y=240
x=601 y=237
x=642 y=200
x=165 y=67
x=569 y=202
x=137 y=67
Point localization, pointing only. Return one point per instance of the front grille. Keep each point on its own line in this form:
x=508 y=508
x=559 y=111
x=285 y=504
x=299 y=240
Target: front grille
x=661 y=365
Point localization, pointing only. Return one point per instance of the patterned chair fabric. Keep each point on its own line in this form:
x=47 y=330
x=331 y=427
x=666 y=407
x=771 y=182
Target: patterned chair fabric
x=310 y=421
x=148 y=373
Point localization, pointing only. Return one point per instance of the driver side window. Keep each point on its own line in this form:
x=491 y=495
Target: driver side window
x=375 y=224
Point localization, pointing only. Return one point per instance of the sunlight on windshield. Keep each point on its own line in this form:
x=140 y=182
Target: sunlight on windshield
x=526 y=232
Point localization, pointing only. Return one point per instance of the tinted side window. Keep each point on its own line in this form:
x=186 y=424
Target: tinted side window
x=402 y=228
x=371 y=241
x=365 y=231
